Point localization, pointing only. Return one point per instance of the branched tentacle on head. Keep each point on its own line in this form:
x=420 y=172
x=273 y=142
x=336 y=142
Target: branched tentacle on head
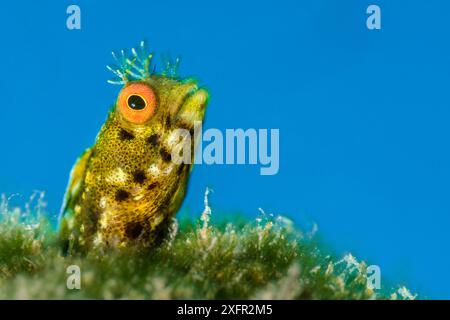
x=138 y=65
x=170 y=66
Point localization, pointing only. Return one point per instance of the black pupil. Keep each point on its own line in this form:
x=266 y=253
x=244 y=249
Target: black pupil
x=135 y=102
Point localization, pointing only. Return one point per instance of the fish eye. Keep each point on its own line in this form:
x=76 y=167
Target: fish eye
x=137 y=102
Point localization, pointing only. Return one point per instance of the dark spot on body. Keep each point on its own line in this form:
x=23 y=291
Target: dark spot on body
x=93 y=225
x=133 y=230
x=152 y=185
x=125 y=135
x=165 y=155
x=168 y=121
x=122 y=195
x=188 y=127
x=180 y=168
x=65 y=244
x=161 y=231
x=139 y=176
x=153 y=139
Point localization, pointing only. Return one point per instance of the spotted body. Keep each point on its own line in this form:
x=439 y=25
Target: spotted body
x=126 y=188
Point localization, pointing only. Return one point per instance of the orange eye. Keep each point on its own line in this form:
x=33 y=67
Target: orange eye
x=137 y=102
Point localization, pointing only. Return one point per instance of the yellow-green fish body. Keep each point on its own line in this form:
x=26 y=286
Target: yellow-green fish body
x=126 y=188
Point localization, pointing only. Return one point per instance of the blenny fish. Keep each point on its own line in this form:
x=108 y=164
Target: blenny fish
x=125 y=188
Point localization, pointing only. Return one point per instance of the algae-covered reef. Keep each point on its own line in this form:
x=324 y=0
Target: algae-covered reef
x=262 y=259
